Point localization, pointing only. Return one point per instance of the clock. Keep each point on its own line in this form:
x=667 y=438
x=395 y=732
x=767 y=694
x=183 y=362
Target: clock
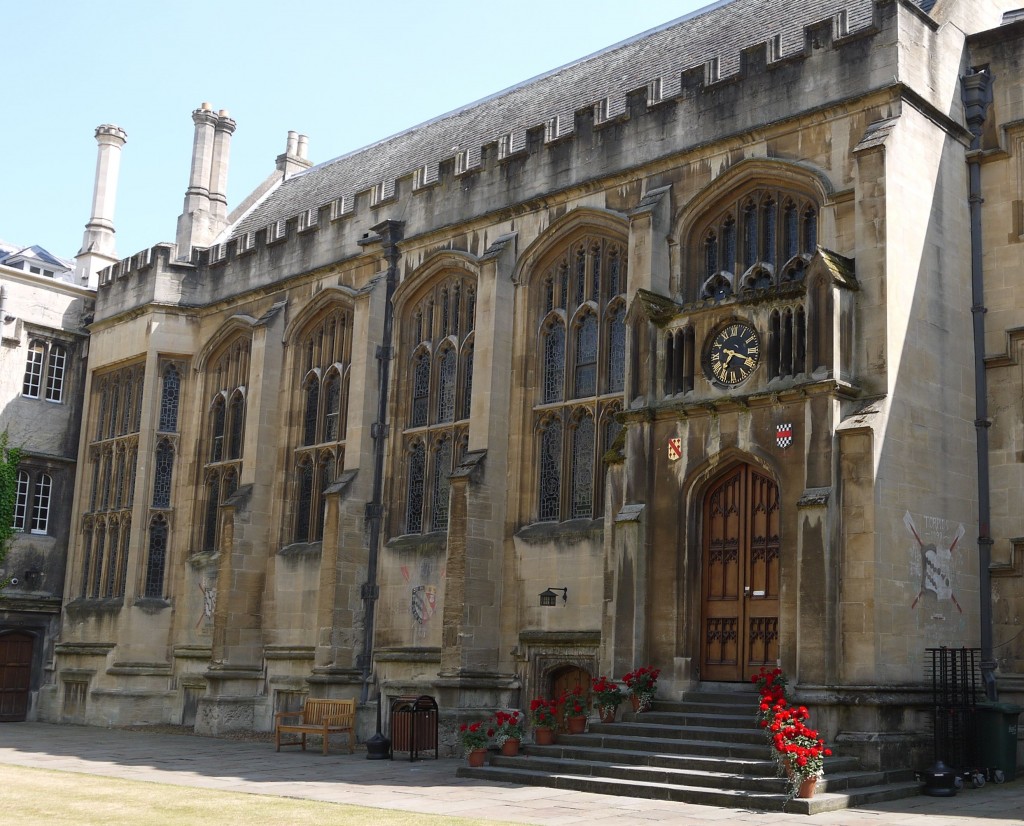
x=732 y=354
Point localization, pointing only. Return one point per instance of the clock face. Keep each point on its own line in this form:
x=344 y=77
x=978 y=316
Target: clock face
x=732 y=354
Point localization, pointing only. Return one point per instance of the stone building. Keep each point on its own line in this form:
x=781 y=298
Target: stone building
x=43 y=317
x=681 y=333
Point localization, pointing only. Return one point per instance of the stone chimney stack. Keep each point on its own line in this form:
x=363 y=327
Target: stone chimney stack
x=98 y=249
x=223 y=131
x=294 y=158
x=205 y=212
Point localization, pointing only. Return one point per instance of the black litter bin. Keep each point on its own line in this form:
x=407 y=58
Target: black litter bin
x=995 y=737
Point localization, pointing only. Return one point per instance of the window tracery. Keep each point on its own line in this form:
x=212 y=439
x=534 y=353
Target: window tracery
x=582 y=370
x=436 y=382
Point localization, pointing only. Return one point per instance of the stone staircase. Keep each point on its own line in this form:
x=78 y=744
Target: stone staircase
x=705 y=749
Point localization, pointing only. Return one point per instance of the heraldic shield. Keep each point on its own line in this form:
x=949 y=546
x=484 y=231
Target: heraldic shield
x=424 y=601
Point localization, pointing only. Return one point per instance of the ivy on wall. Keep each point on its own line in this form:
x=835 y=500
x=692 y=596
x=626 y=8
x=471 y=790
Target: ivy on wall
x=9 y=459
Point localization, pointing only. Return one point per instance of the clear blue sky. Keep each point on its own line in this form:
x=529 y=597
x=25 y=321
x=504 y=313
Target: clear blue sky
x=345 y=74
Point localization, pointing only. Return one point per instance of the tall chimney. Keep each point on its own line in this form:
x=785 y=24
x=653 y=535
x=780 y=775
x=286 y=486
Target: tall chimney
x=194 y=228
x=293 y=159
x=219 y=172
x=98 y=249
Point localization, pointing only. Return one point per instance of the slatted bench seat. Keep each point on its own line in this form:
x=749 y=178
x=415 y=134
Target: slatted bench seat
x=323 y=717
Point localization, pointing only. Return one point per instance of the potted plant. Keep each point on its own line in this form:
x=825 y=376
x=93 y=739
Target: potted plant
x=641 y=685
x=607 y=697
x=576 y=707
x=474 y=740
x=798 y=749
x=508 y=731
x=544 y=716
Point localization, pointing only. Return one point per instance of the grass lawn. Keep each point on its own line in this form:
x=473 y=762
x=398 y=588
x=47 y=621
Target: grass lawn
x=38 y=797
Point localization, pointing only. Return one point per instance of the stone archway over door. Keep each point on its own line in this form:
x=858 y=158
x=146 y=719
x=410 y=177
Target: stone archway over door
x=15 y=676
x=740 y=575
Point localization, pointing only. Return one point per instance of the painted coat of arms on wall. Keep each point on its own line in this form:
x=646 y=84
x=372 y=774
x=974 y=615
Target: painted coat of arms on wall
x=424 y=602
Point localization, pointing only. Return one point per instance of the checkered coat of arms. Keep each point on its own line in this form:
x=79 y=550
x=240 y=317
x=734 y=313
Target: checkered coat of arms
x=784 y=435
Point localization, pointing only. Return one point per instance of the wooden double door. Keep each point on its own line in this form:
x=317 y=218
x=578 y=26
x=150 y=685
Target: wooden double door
x=740 y=575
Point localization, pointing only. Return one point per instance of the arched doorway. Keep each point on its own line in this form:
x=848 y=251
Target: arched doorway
x=15 y=675
x=740 y=575
x=563 y=681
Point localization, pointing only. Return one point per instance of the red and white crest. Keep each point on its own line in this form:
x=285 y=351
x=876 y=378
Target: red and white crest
x=784 y=435
x=675 y=449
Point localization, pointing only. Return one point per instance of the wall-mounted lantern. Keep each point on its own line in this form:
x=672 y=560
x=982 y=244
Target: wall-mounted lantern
x=548 y=596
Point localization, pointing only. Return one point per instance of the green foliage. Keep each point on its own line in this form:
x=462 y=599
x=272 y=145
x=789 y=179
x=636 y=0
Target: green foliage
x=9 y=459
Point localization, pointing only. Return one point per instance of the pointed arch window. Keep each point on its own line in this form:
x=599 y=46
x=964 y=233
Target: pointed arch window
x=218 y=417
x=309 y=420
x=163 y=474
x=157 y=557
x=437 y=382
x=236 y=419
x=591 y=269
x=332 y=407
x=170 y=395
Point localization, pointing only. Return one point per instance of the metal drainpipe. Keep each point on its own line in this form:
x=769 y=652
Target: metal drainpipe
x=389 y=233
x=976 y=94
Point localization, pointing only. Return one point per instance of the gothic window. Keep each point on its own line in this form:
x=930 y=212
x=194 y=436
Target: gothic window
x=119 y=482
x=162 y=474
x=417 y=471
x=586 y=357
x=554 y=361
x=420 y=389
x=326 y=353
x=236 y=425
x=210 y=518
x=550 y=509
x=787 y=342
x=115 y=407
x=581 y=369
x=680 y=355
x=762 y=239
x=446 y=377
x=157 y=558
x=583 y=467
x=441 y=485
x=169 y=397
x=436 y=381
x=218 y=416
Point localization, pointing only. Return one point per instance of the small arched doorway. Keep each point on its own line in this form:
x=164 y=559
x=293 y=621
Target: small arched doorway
x=15 y=675
x=740 y=575
x=563 y=681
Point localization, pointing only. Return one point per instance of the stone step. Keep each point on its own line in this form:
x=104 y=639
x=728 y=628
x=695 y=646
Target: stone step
x=823 y=801
x=669 y=731
x=694 y=716
x=676 y=742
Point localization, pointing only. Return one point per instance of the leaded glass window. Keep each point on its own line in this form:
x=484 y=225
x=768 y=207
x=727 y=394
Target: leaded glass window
x=586 y=357
x=169 y=397
x=417 y=471
x=236 y=419
x=157 y=559
x=210 y=518
x=119 y=481
x=441 y=485
x=115 y=407
x=101 y=558
x=554 y=362
x=420 y=389
x=617 y=350
x=218 y=417
x=113 y=563
x=550 y=472
x=162 y=474
x=583 y=468
x=467 y=382
x=304 y=501
x=332 y=406
x=446 y=386
x=309 y=420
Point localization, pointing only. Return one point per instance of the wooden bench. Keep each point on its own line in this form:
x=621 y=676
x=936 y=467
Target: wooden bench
x=323 y=717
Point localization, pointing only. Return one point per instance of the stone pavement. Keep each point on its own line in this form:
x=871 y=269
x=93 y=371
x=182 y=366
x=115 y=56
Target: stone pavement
x=431 y=785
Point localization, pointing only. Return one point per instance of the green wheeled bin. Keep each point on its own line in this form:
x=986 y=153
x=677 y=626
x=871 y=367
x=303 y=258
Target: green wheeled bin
x=995 y=738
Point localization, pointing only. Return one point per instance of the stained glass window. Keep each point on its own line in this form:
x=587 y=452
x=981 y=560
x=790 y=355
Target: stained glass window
x=581 y=276
x=810 y=231
x=417 y=471
x=769 y=219
x=115 y=406
x=444 y=313
x=162 y=474
x=210 y=520
x=304 y=501
x=217 y=419
x=790 y=239
x=470 y=310
x=441 y=485
x=595 y=274
x=550 y=472
x=332 y=406
x=447 y=378
x=157 y=558
x=729 y=246
x=711 y=255
x=169 y=396
x=420 y=389
x=467 y=382
x=101 y=544
x=750 y=235
x=586 y=357
x=554 y=362
x=583 y=468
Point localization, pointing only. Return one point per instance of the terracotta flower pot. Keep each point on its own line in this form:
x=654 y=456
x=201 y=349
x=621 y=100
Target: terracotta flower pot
x=510 y=748
x=640 y=702
x=577 y=725
x=475 y=758
x=806 y=789
x=543 y=736
x=607 y=713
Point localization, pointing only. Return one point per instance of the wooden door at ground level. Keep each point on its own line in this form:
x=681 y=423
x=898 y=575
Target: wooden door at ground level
x=740 y=575
x=15 y=675
x=564 y=681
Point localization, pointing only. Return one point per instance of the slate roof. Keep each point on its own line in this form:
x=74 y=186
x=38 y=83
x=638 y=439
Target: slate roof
x=720 y=30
